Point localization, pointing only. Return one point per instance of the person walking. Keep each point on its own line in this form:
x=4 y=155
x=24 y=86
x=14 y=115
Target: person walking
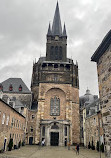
x=77 y=150
x=69 y=144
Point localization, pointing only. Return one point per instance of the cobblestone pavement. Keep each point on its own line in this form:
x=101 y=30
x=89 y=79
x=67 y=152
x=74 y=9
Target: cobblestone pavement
x=49 y=152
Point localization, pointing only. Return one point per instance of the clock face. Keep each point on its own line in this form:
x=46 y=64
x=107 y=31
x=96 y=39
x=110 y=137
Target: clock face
x=56 y=38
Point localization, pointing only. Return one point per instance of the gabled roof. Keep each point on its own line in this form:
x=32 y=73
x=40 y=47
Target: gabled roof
x=102 y=47
x=15 y=82
x=56 y=27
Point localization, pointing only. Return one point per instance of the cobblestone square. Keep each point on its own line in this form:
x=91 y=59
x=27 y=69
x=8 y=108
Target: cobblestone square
x=50 y=152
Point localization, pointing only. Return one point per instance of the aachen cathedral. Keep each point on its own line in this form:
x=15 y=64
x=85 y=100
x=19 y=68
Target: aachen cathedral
x=55 y=88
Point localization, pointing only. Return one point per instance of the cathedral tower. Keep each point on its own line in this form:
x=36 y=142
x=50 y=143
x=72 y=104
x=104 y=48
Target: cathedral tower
x=55 y=88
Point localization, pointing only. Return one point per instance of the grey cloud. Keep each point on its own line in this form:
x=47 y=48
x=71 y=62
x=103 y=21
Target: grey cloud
x=23 y=28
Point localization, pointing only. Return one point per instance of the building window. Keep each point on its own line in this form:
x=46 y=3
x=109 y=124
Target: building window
x=56 y=78
x=55 y=106
x=7 y=120
x=94 y=121
x=56 y=53
x=43 y=131
x=20 y=88
x=10 y=88
x=1 y=87
x=65 y=131
x=33 y=116
x=54 y=126
x=52 y=53
x=31 y=129
x=60 y=53
x=3 y=119
x=12 y=122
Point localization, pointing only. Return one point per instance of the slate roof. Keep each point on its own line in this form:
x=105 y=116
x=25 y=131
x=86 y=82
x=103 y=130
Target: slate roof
x=102 y=47
x=64 y=31
x=15 y=82
x=56 y=27
x=49 y=33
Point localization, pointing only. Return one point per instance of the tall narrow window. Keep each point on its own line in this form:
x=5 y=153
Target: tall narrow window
x=3 y=119
x=43 y=131
x=60 y=53
x=55 y=106
x=56 y=53
x=52 y=52
x=7 y=120
x=65 y=130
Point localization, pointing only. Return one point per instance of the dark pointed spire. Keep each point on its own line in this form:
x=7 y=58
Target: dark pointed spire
x=64 y=31
x=49 y=33
x=56 y=27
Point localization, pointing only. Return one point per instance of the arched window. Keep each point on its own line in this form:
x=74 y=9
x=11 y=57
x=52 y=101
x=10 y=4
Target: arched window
x=60 y=53
x=56 y=53
x=52 y=52
x=55 y=106
x=54 y=126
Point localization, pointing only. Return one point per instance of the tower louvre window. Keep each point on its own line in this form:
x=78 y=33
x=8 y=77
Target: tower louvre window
x=60 y=53
x=56 y=53
x=52 y=53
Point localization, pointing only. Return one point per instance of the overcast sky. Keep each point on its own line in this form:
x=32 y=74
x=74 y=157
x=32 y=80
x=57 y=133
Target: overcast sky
x=23 y=28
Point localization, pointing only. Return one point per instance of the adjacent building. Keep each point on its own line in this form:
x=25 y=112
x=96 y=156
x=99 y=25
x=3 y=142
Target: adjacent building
x=55 y=90
x=102 y=57
x=16 y=89
x=92 y=125
x=12 y=126
x=84 y=102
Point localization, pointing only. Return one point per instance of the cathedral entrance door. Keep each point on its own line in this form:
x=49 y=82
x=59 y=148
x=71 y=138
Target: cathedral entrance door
x=54 y=141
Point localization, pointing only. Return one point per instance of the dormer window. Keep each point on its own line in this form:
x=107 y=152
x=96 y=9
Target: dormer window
x=20 y=88
x=11 y=88
x=1 y=87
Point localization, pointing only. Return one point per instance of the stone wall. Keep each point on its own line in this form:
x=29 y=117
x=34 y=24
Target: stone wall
x=69 y=107
x=94 y=129
x=104 y=78
x=31 y=125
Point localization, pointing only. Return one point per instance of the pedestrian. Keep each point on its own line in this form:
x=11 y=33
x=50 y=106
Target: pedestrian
x=69 y=145
x=77 y=151
x=42 y=143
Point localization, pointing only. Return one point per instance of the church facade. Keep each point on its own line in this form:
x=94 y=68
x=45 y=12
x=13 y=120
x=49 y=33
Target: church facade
x=55 y=89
